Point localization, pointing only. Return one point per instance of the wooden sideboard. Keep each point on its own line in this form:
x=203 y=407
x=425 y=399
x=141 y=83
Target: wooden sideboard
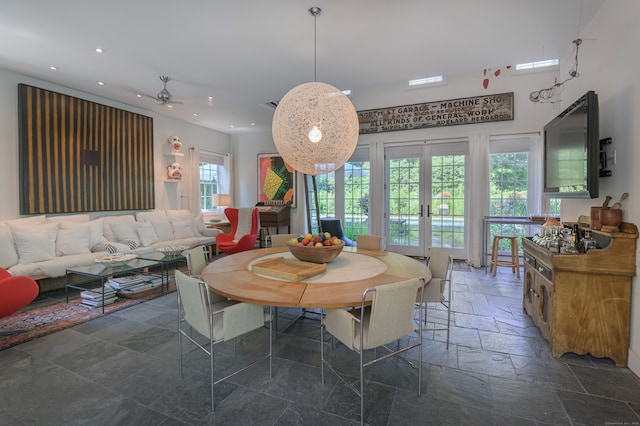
x=582 y=302
x=273 y=216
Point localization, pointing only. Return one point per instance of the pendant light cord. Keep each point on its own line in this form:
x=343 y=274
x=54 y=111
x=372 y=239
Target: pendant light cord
x=315 y=48
x=315 y=11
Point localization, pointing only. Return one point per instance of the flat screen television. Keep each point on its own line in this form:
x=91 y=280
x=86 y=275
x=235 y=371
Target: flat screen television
x=571 y=151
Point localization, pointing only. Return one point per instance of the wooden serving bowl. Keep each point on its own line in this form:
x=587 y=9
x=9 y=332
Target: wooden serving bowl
x=610 y=217
x=324 y=254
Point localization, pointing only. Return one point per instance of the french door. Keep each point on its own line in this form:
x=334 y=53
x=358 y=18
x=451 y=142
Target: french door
x=425 y=198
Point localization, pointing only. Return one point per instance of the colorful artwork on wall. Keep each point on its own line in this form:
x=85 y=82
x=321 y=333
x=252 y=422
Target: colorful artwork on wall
x=276 y=179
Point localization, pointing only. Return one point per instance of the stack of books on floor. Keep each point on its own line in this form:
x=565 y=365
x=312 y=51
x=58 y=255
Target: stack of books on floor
x=96 y=298
x=132 y=284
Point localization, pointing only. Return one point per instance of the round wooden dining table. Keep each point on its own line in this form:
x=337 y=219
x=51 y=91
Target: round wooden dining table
x=340 y=286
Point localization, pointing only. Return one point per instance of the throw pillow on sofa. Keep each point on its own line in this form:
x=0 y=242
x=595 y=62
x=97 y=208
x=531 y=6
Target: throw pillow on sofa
x=35 y=243
x=111 y=248
x=163 y=229
x=147 y=233
x=182 y=228
x=96 y=227
x=73 y=239
x=109 y=220
x=126 y=233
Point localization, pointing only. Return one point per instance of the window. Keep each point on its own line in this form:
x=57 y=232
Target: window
x=537 y=65
x=326 y=186
x=213 y=178
x=514 y=185
x=345 y=194
x=356 y=196
x=508 y=184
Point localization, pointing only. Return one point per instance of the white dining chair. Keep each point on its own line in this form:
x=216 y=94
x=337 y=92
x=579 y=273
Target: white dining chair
x=385 y=316
x=439 y=288
x=370 y=242
x=197 y=259
x=216 y=318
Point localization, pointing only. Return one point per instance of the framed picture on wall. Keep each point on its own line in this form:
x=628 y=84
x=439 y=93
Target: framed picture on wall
x=276 y=179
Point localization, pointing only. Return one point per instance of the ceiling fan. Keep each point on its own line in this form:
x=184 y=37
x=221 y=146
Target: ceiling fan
x=164 y=96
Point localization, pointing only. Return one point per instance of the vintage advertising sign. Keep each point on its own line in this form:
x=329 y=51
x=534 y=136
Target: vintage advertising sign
x=477 y=109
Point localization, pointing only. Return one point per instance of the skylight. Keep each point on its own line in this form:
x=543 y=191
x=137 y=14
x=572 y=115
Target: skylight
x=536 y=65
x=435 y=80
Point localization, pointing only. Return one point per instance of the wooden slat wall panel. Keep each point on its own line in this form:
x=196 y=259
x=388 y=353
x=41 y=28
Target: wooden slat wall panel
x=80 y=156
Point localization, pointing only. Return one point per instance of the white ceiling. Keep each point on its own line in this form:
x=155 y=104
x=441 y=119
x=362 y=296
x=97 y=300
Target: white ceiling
x=246 y=52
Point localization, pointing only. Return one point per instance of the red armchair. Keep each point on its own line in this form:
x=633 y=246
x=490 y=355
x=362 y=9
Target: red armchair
x=15 y=292
x=244 y=235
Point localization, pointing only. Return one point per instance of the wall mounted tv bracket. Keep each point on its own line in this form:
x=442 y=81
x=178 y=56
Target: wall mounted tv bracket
x=603 y=157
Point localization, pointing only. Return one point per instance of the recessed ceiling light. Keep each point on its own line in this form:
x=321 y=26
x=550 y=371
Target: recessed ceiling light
x=195 y=114
x=232 y=126
x=139 y=95
x=169 y=106
x=53 y=68
x=101 y=83
x=99 y=50
x=253 y=124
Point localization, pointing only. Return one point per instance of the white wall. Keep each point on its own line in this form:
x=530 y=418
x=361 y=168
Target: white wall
x=168 y=196
x=246 y=148
x=609 y=64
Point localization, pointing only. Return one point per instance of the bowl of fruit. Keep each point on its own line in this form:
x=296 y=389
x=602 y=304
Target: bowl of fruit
x=316 y=248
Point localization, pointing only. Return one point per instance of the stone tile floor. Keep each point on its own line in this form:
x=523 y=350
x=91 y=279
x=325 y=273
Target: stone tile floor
x=123 y=369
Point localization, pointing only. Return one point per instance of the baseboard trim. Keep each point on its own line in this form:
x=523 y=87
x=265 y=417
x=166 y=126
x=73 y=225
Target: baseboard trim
x=634 y=362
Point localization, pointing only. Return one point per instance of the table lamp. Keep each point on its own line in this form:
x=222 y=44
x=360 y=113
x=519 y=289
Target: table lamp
x=220 y=200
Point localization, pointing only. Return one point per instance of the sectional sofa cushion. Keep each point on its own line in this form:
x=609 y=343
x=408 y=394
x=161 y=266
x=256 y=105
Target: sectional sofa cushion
x=146 y=216
x=8 y=253
x=70 y=218
x=28 y=221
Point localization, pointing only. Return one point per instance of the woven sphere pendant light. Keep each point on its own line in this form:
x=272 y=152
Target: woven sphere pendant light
x=315 y=126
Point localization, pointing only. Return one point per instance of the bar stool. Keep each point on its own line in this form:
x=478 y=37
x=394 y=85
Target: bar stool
x=513 y=263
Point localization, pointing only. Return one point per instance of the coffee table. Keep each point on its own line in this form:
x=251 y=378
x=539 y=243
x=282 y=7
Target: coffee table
x=165 y=260
x=103 y=272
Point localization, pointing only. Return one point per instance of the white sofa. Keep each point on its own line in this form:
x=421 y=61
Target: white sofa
x=41 y=246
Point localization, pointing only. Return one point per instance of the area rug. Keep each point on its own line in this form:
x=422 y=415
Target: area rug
x=38 y=322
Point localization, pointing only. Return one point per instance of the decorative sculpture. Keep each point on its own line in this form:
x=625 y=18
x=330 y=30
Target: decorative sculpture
x=175 y=143
x=174 y=171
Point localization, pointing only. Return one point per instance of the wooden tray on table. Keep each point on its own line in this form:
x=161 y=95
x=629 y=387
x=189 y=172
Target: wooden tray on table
x=288 y=269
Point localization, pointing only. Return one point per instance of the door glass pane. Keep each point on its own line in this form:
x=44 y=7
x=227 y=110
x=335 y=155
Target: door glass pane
x=326 y=185
x=509 y=177
x=447 y=201
x=356 y=198
x=404 y=201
